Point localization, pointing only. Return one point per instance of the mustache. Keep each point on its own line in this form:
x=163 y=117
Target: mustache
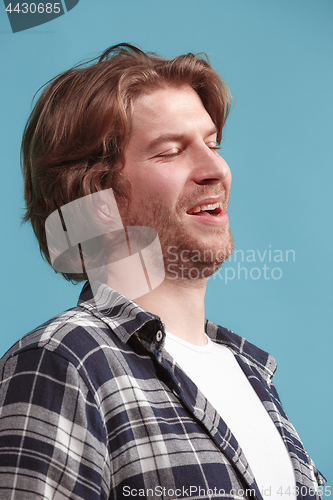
x=201 y=192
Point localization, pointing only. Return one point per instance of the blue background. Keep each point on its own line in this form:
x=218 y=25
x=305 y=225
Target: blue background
x=277 y=59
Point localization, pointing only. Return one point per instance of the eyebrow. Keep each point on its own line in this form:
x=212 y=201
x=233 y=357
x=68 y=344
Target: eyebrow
x=173 y=138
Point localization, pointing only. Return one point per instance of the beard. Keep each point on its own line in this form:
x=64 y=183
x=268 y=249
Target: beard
x=186 y=256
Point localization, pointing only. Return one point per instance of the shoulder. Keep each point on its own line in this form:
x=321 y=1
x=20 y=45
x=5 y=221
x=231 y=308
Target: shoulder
x=72 y=337
x=55 y=330
x=50 y=409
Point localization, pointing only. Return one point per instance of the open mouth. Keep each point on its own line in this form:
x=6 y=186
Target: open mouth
x=213 y=209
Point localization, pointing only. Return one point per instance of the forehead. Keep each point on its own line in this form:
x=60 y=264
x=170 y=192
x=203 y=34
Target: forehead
x=169 y=110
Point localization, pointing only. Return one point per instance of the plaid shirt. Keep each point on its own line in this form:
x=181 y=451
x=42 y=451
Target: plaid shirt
x=92 y=407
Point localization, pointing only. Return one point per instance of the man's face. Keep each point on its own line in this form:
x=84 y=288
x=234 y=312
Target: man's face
x=177 y=182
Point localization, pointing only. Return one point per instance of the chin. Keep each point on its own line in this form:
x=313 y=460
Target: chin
x=194 y=259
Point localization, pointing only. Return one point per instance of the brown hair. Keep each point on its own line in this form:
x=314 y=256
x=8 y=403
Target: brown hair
x=77 y=131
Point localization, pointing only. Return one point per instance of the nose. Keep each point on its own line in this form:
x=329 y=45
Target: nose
x=210 y=167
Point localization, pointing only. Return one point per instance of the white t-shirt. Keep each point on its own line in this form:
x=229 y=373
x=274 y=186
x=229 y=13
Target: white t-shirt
x=215 y=371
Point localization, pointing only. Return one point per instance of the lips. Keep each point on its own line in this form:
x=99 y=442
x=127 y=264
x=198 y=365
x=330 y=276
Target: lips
x=213 y=209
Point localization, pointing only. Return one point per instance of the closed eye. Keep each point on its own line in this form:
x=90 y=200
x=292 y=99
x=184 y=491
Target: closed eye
x=213 y=146
x=170 y=153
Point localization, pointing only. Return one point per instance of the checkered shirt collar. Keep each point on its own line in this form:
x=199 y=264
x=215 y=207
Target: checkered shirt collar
x=126 y=318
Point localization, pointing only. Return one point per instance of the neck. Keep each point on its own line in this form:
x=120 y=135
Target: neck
x=180 y=305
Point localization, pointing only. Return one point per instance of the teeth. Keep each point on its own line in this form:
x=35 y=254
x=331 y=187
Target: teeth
x=203 y=208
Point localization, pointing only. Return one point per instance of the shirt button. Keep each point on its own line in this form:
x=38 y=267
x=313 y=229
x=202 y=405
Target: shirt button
x=159 y=336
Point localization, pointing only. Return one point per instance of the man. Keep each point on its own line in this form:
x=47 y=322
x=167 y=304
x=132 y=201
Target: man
x=121 y=398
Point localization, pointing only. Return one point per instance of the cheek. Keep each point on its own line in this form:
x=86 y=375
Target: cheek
x=153 y=182
x=161 y=185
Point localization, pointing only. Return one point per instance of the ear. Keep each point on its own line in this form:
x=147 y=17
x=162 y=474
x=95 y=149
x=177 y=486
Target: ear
x=105 y=212
x=106 y=209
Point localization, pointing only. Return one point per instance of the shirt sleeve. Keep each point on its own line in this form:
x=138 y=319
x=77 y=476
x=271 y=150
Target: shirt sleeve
x=52 y=435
